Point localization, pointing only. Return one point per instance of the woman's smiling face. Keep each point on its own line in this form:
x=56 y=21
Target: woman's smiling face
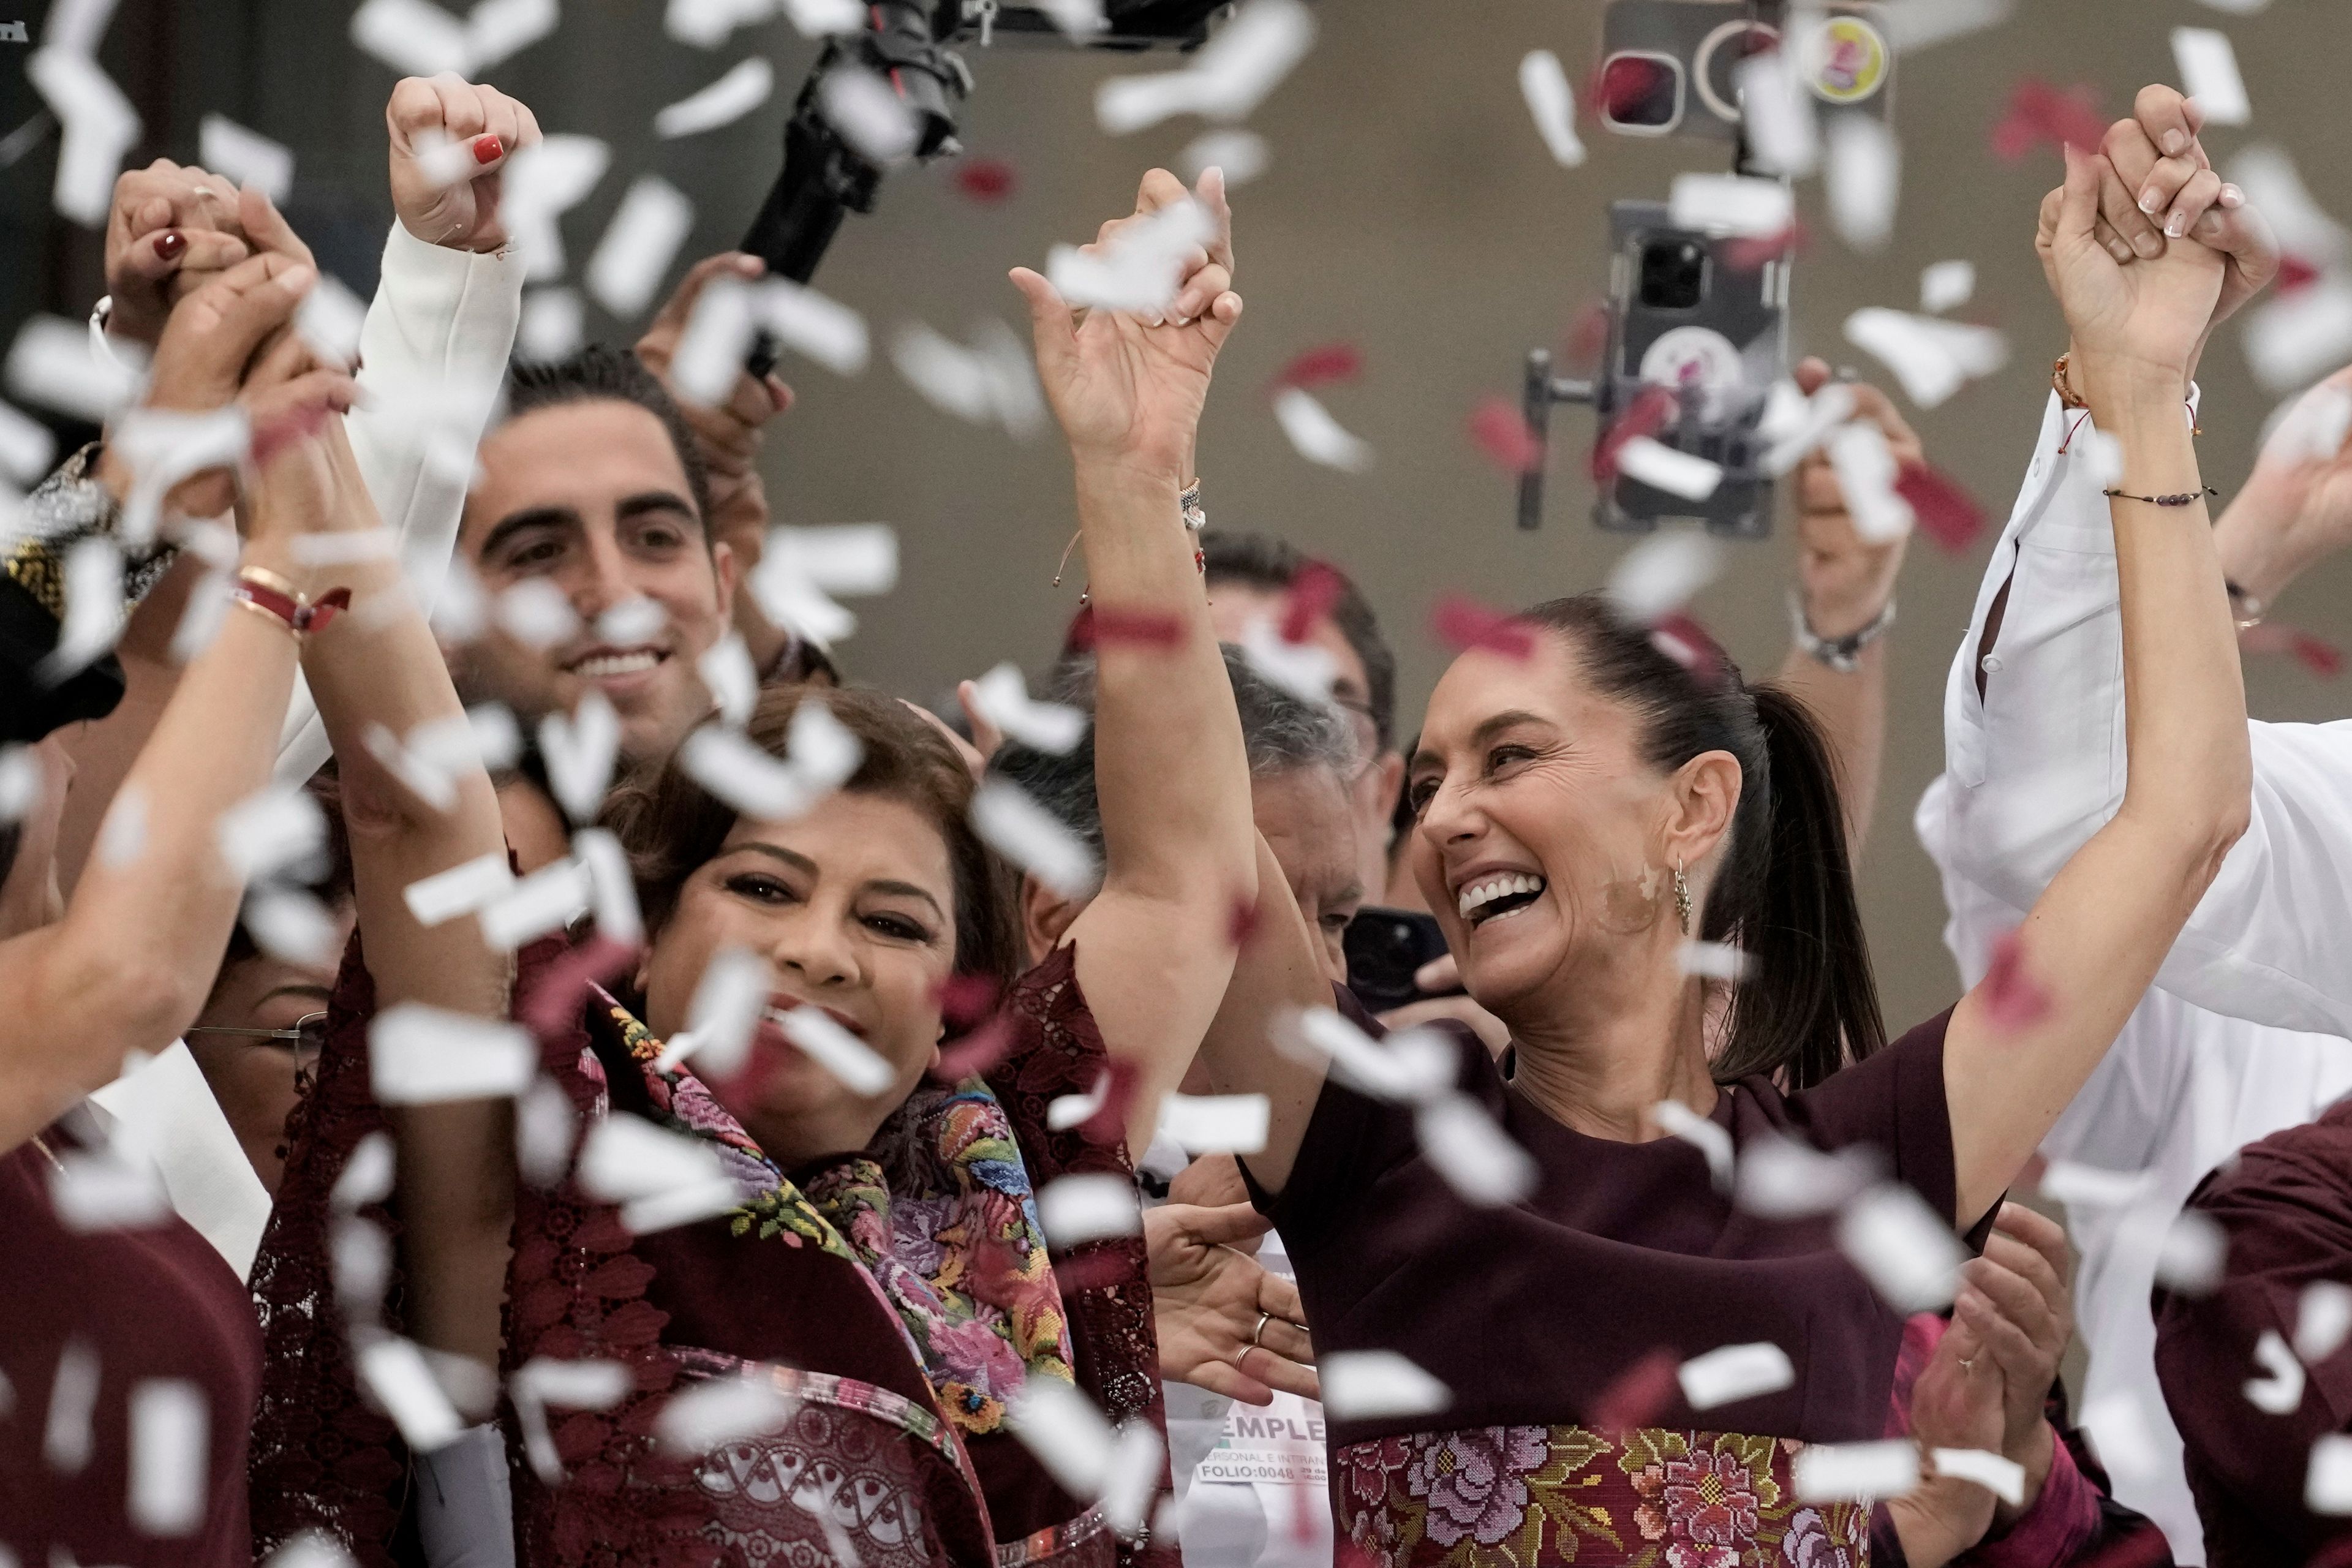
x=852 y=906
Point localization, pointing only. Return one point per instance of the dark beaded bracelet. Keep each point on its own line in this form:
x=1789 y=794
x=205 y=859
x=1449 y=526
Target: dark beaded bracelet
x=2183 y=498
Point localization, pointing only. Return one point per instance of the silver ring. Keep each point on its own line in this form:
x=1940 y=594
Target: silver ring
x=1256 y=1333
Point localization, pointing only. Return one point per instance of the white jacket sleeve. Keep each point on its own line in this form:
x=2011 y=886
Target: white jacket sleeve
x=433 y=355
x=2038 y=765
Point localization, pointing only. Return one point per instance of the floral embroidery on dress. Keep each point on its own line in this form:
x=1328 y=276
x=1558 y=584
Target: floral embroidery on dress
x=1530 y=1496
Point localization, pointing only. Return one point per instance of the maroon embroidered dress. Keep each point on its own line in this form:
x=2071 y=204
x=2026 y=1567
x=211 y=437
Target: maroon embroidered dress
x=896 y=1296
x=1535 y=1314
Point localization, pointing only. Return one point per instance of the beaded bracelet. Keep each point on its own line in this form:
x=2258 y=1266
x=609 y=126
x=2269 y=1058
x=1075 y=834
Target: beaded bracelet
x=2182 y=497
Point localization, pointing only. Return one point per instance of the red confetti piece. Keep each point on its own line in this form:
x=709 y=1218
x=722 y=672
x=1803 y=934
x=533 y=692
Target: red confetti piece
x=1464 y=624
x=985 y=179
x=976 y=1052
x=1646 y=415
x=2314 y=652
x=297 y=424
x=1096 y=627
x=1241 y=922
x=1639 y=1397
x=1689 y=644
x=1502 y=433
x=2013 y=999
x=2038 y=112
x=2142 y=1548
x=553 y=1004
x=1947 y=514
x=1587 y=340
x=2296 y=273
x=1750 y=252
x=1313 y=593
x=966 y=999
x=1095 y=1270
x=1321 y=366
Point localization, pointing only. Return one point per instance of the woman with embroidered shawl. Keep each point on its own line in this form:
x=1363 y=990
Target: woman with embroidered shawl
x=871 y=1273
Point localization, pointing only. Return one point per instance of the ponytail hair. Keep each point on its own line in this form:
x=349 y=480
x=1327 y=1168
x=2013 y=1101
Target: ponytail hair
x=1784 y=894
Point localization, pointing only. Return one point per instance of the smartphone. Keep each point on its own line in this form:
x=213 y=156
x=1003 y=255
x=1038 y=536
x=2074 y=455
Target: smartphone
x=1384 y=947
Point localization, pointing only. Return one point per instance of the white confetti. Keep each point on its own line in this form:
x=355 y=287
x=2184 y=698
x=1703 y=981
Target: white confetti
x=270 y=831
x=1712 y=960
x=731 y=678
x=1307 y=670
x=951 y=377
x=2294 y=337
x=1216 y=1124
x=101 y=126
x=122 y=835
x=427 y=781
x=1933 y=358
x=839 y=1052
x=420 y=1055
x=536 y=614
x=545 y=1129
x=1733 y=1372
x=1063 y=1430
x=1712 y=1139
x=94 y=608
x=2279 y=1391
x=2005 y=1479
x=1796 y=424
x=1034 y=839
x=1068 y=1110
x=631 y=622
x=1866 y=471
x=1731 y=204
x=415 y=38
x=1379 y=1386
x=708 y=1415
x=51 y=364
x=2310 y=427
x=1407 y=1066
x=312 y=1549
x=291 y=926
x=2208 y=73
x=395 y=1371
x=731 y=97
x=1229 y=76
x=870 y=116
x=171 y=1433
x=1777 y=109
x=329 y=318
x=1661 y=467
x=731 y=310
x=1243 y=155
x=545 y=901
x=77 y=27
x=1078 y=1209
x=2103 y=455
x=538 y=186
x=544 y=1381
x=360 y=1259
x=27 y=447
x=95 y=1190
x=705 y=24
x=2328 y=1485
x=496 y=29
x=1141 y=267
x=367 y=1175
x=1132 y=1478
x=1913 y=25
x=851 y=558
x=718 y=336
x=741 y=772
x=611 y=891
x=246 y=157
x=2267 y=174
x=580 y=749
x=1947 y=286
x=1003 y=698
x=459 y=890
x=2321 y=1320
x=2066 y=1182
x=1316 y=436
x=66 y=1438
x=728 y=999
x=1543 y=83
x=1910 y=1256
x=1080 y=20
x=653 y=221
x=1473 y=1155
x=1856 y=1472
x=1864 y=180
x=553 y=325
x=660 y=1179
x=22 y=781
x=2195 y=1248
x=2121 y=1430
x=823 y=19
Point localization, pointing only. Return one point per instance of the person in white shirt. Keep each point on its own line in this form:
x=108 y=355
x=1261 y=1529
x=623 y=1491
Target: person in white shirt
x=2240 y=1035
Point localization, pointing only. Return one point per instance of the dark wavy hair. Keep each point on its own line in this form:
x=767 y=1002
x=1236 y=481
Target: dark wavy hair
x=1785 y=892
x=601 y=374
x=670 y=825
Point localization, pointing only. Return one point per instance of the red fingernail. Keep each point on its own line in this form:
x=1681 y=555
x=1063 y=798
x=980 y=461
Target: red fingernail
x=170 y=243
x=487 y=149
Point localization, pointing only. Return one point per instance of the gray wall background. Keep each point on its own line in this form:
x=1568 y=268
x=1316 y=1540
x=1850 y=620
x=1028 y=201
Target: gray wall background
x=1410 y=209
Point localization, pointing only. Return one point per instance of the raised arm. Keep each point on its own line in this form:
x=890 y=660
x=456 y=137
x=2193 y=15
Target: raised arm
x=378 y=668
x=1845 y=585
x=131 y=960
x=2095 y=937
x=1155 y=946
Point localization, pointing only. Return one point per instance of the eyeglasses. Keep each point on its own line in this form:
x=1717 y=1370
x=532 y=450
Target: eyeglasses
x=1366 y=730
x=307 y=1039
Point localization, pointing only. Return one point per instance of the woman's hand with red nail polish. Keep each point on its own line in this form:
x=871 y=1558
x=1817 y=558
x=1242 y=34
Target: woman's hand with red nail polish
x=169 y=229
x=427 y=113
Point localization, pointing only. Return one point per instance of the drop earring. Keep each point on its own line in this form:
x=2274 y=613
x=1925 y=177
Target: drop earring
x=1682 y=897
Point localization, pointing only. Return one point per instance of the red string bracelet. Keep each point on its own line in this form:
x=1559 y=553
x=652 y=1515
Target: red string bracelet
x=268 y=594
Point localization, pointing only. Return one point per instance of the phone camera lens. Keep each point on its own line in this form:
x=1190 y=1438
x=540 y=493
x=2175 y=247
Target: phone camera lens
x=1673 y=274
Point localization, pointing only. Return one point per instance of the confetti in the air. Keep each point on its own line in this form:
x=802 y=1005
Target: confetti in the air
x=2208 y=73
x=170 y=1438
x=547 y=900
x=2013 y=1000
x=1034 y=839
x=1931 y=357
x=1712 y=960
x=1943 y=510
x=730 y=677
x=1780 y=1178
x=1731 y=204
x=1464 y=624
x=1216 y=1124
x=538 y=186
x=1003 y=698
x=1501 y=432
x=1777 y=108
x=545 y=1380
x=611 y=891
x=1132 y=1478
x=51 y=364
x=2073 y=1184
x=2328 y=1485
x=1796 y=424
x=659 y=1178
x=396 y=1372
x=419 y=1055
x=1067 y=1434
x=1379 y=1386
x=1306 y=670
x=246 y=157
x=1409 y=1065
x=101 y=128
x=1078 y=1209
x=461 y=890
x=270 y=831
x=653 y=221
x=2266 y=172
x=1470 y=1150
x=1316 y=436
x=1733 y=1372
x=1141 y=268
x=1661 y=467
x=837 y=1050
x=106 y=1189
x=2279 y=1390
x=1864 y=179
x=1867 y=475
x=2192 y=1254
x=705 y=1415
x=580 y=749
x=2005 y=1479
x=2294 y=337
x=2038 y=114
x=986 y=180
x=870 y=115
x=1947 y=286
x=1242 y=155
x=1908 y=1255
x=731 y=97
x=1229 y=76
x=67 y=1437
x=367 y=1175
x=1710 y=1138
x=1856 y=1472
x=417 y=38
x=1543 y=82
x=2322 y=1319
